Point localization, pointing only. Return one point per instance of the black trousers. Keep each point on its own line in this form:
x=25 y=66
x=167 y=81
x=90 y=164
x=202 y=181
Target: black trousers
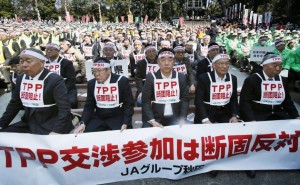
x=18 y=127
x=72 y=97
x=97 y=124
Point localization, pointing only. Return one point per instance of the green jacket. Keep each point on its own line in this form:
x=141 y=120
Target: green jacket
x=284 y=55
x=293 y=61
x=231 y=45
x=221 y=39
x=243 y=49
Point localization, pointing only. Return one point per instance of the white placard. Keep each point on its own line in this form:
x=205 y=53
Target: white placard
x=120 y=67
x=88 y=69
x=257 y=53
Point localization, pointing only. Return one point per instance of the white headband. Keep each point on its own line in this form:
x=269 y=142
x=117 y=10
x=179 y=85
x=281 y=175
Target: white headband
x=137 y=41
x=150 y=47
x=34 y=54
x=101 y=65
x=220 y=56
x=53 y=46
x=166 y=54
x=213 y=47
x=66 y=42
x=279 y=43
x=271 y=60
x=109 y=45
x=177 y=48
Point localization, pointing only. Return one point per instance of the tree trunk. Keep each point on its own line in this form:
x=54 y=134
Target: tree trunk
x=129 y=7
x=66 y=9
x=160 y=10
x=100 y=15
x=37 y=10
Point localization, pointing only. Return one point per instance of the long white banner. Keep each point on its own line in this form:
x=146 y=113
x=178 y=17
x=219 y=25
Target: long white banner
x=171 y=152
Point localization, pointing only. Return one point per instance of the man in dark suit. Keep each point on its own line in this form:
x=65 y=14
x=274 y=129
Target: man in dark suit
x=144 y=67
x=135 y=56
x=190 y=53
x=216 y=94
x=205 y=65
x=110 y=95
x=44 y=96
x=183 y=65
x=265 y=95
x=64 y=68
x=165 y=94
x=17 y=70
x=89 y=48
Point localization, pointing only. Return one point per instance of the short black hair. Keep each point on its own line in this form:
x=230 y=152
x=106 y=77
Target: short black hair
x=101 y=60
x=213 y=44
x=166 y=49
x=14 y=61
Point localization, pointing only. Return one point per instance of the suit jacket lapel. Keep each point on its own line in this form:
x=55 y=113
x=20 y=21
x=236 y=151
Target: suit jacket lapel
x=227 y=77
x=213 y=76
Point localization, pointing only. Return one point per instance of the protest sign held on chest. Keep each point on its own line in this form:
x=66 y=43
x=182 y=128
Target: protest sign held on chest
x=138 y=57
x=31 y=91
x=272 y=89
x=180 y=68
x=221 y=90
x=53 y=67
x=107 y=92
x=88 y=51
x=152 y=68
x=107 y=95
x=166 y=90
x=204 y=50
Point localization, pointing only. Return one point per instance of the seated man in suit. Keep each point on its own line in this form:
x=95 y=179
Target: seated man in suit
x=64 y=68
x=216 y=94
x=44 y=96
x=265 y=95
x=165 y=94
x=183 y=65
x=144 y=67
x=110 y=95
x=205 y=65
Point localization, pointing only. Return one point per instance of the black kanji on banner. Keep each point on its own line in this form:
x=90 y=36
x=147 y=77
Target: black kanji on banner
x=118 y=69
